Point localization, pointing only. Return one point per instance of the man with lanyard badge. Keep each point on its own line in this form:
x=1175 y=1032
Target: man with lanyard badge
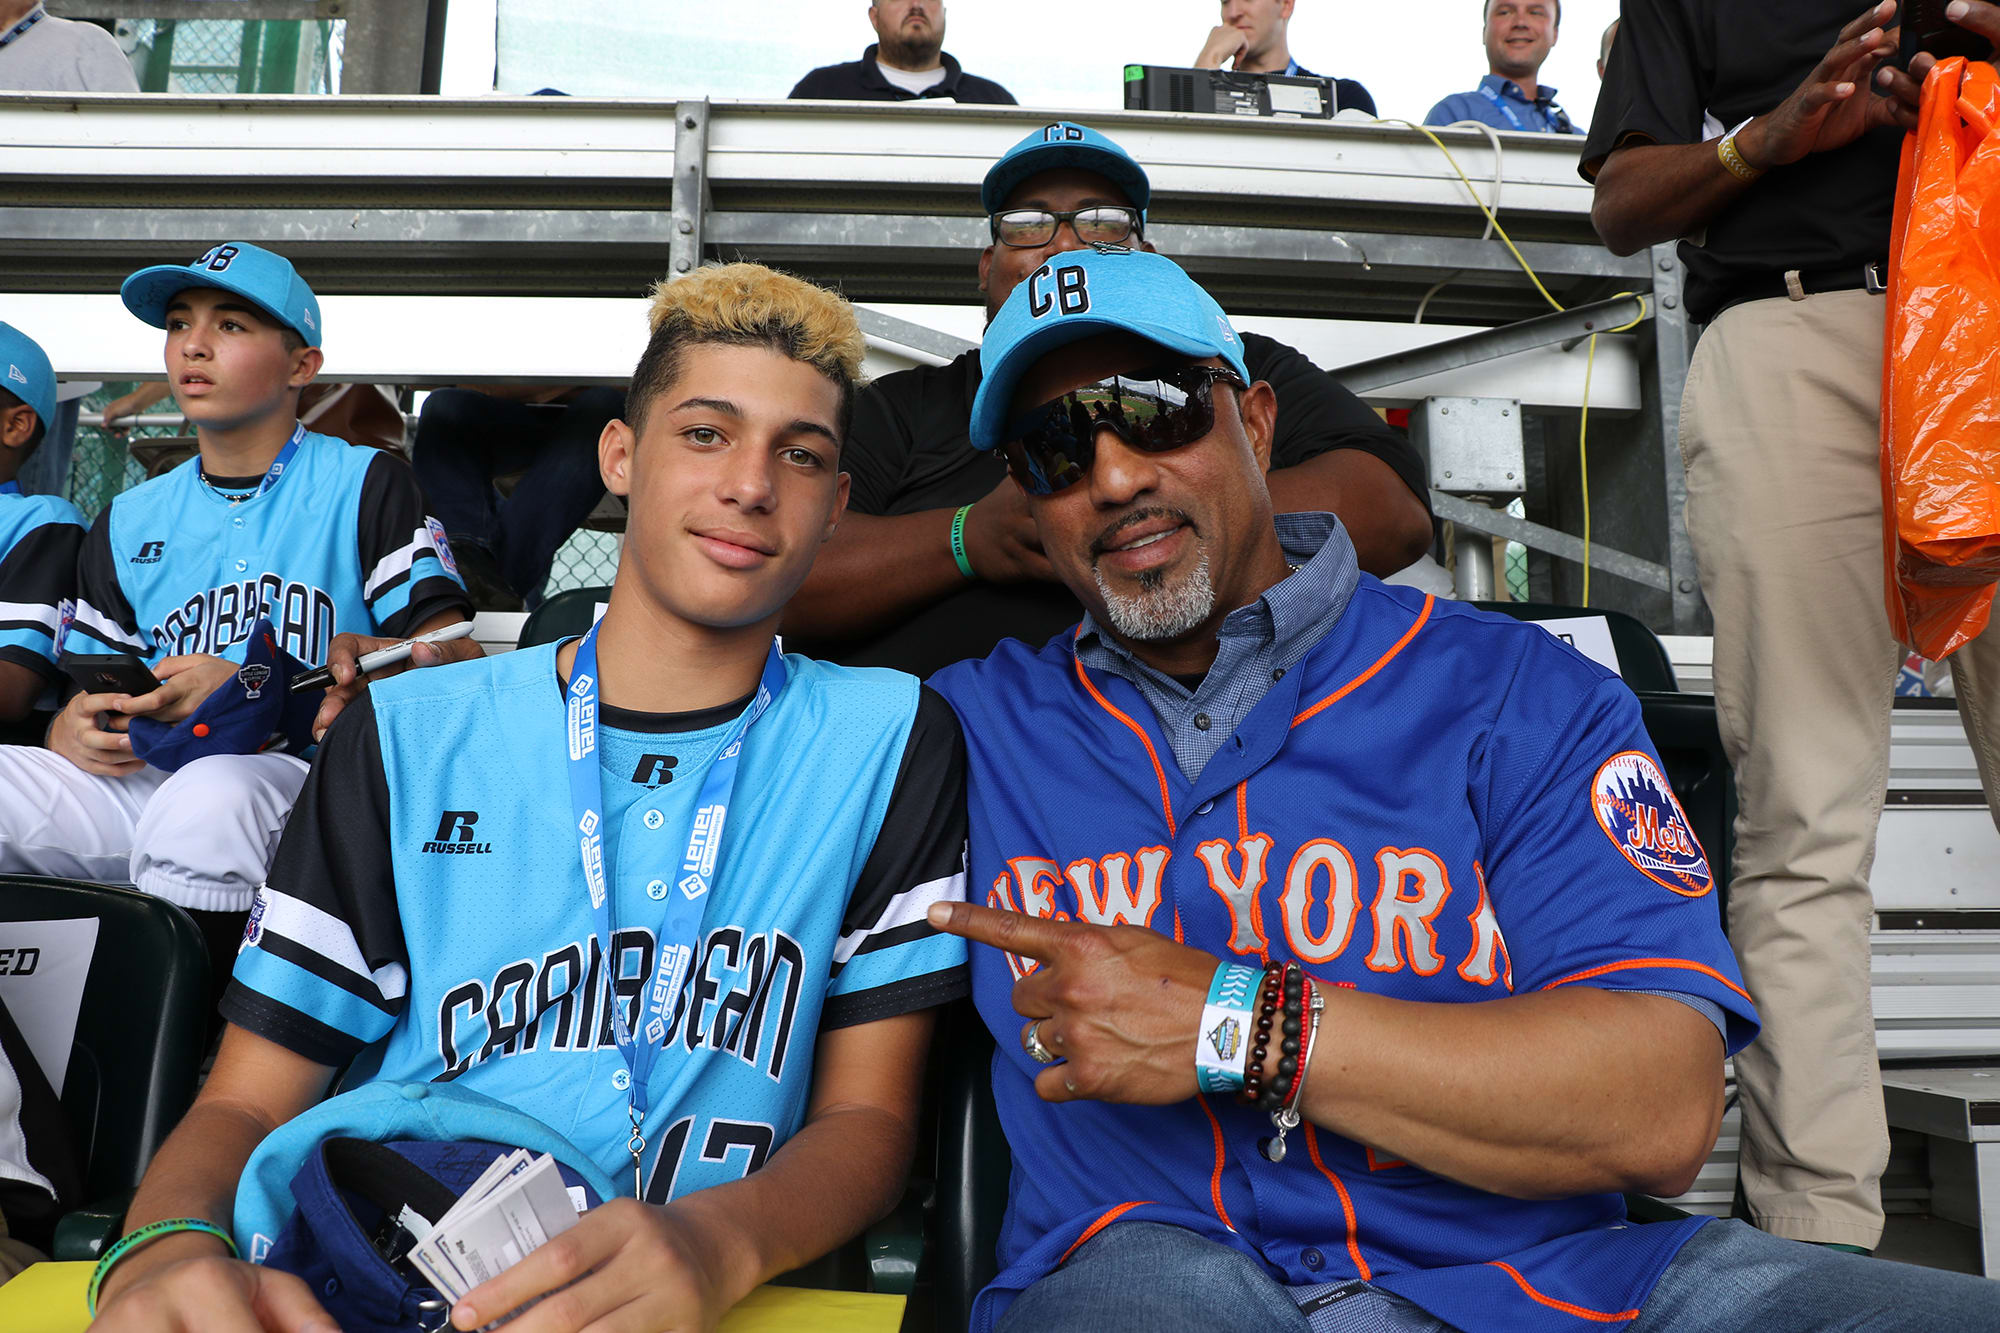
x=1252 y=34
x=710 y=968
x=1519 y=36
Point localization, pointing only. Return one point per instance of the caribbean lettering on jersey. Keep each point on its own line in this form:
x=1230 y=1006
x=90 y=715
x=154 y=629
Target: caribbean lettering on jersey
x=221 y=617
x=741 y=999
x=1321 y=900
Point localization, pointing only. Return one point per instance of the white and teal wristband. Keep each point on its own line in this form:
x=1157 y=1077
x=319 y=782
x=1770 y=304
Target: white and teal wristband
x=1222 y=1047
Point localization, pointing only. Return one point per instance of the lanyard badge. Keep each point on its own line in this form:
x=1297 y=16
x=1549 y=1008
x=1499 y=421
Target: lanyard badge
x=676 y=939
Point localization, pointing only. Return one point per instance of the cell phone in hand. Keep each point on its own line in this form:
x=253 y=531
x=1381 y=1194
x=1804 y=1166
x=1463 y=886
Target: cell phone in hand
x=1925 y=28
x=109 y=673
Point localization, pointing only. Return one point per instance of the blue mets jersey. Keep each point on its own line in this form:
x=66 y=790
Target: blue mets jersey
x=40 y=538
x=427 y=912
x=1435 y=805
x=339 y=543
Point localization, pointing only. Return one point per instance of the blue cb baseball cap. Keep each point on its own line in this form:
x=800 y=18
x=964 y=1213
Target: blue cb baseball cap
x=26 y=373
x=1065 y=144
x=265 y=280
x=1075 y=295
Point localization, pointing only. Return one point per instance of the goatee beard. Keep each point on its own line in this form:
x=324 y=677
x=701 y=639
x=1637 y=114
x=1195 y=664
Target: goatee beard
x=1159 y=609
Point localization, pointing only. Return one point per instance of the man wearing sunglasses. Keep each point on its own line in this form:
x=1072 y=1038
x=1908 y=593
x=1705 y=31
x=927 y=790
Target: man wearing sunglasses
x=1347 y=951
x=937 y=559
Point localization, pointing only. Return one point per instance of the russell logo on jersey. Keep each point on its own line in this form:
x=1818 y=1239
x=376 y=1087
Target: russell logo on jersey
x=455 y=835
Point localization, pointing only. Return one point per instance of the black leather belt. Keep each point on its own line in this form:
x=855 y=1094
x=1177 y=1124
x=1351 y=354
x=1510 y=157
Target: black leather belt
x=1799 y=283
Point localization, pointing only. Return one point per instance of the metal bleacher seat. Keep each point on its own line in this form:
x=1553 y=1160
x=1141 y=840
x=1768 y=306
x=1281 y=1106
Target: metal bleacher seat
x=137 y=1049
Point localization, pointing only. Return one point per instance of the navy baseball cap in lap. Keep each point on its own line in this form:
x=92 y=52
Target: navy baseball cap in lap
x=26 y=373
x=1065 y=144
x=249 y=713
x=1108 y=289
x=267 y=281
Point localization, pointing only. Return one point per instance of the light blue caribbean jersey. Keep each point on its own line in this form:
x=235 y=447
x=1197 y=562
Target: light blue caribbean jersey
x=427 y=913
x=40 y=538
x=339 y=543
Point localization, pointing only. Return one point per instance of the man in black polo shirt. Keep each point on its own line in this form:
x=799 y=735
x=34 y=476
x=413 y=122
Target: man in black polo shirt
x=907 y=62
x=1791 y=200
x=888 y=590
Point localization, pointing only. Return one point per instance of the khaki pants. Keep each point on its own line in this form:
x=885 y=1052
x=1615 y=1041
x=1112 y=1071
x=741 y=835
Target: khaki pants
x=1780 y=434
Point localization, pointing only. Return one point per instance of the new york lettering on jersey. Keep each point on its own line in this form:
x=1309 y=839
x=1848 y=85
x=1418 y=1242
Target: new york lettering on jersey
x=1479 y=818
x=334 y=539
x=486 y=968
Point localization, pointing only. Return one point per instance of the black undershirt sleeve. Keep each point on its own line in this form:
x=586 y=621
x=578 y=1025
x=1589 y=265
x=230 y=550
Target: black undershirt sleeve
x=880 y=441
x=1653 y=87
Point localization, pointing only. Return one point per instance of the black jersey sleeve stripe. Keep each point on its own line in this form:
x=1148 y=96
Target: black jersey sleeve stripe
x=428 y=600
x=898 y=998
x=298 y=1033
x=32 y=660
x=278 y=946
x=41 y=568
x=334 y=854
x=922 y=838
x=889 y=939
x=97 y=577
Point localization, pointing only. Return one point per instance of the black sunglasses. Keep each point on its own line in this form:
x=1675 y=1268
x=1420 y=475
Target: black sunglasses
x=1050 y=448
x=1098 y=224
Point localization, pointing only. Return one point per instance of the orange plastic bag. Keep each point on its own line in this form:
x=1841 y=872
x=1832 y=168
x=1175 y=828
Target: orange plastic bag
x=1941 y=367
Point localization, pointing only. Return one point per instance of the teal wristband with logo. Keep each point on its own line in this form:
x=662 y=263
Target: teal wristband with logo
x=141 y=1238
x=958 y=542
x=1222 y=1047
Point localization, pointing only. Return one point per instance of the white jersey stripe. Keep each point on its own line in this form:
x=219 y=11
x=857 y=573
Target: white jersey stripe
x=398 y=562
x=329 y=937
x=904 y=909
x=40 y=613
x=107 y=629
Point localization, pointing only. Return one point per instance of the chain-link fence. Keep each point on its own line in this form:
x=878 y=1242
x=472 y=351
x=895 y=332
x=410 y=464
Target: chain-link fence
x=102 y=465
x=234 y=55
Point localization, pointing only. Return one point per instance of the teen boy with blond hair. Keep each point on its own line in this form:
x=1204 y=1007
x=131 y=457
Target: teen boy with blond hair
x=762 y=835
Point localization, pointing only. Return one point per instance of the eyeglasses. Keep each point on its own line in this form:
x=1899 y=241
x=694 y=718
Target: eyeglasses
x=1051 y=448
x=1099 y=224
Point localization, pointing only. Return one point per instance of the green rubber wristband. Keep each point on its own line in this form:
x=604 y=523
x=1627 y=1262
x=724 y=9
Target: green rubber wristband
x=958 y=542
x=141 y=1238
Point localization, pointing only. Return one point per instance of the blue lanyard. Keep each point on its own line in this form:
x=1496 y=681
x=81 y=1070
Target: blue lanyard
x=10 y=488
x=283 y=459
x=277 y=469
x=1497 y=100
x=676 y=942
x=35 y=15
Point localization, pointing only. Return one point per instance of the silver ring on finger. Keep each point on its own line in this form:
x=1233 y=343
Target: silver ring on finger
x=1031 y=1041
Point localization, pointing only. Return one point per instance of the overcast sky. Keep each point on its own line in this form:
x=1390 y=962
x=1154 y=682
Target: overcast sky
x=1053 y=53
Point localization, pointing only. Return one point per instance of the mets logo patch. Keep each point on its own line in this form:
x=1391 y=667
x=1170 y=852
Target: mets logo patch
x=1636 y=808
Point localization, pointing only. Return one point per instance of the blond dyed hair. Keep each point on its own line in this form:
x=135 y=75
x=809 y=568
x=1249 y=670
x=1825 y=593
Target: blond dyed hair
x=747 y=305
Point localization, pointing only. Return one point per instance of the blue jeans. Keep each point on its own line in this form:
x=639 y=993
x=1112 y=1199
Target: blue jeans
x=1142 y=1277
x=465 y=439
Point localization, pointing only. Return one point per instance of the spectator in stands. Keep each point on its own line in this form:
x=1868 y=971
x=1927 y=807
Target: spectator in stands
x=40 y=537
x=1604 y=46
x=1477 y=1066
x=906 y=63
x=268 y=520
x=1252 y=35
x=42 y=53
x=1785 y=223
x=1519 y=36
x=889 y=589
x=468 y=437
x=849 y=818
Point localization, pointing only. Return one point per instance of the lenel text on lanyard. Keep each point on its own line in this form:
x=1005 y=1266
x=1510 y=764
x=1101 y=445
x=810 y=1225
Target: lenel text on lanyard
x=677 y=937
